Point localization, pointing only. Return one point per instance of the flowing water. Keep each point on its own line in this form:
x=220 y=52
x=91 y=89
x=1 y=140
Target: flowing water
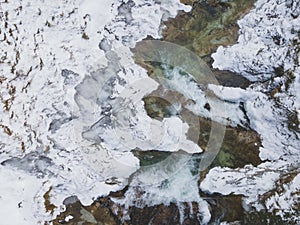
x=115 y=113
x=166 y=177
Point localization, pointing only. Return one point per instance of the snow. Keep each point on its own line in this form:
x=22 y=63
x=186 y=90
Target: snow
x=282 y=202
x=267 y=40
x=68 y=218
x=47 y=50
x=67 y=74
x=224 y=112
x=168 y=181
x=263 y=43
x=20 y=196
x=248 y=181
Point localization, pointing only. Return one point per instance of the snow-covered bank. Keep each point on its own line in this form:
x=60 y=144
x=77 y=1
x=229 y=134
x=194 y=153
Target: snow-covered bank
x=266 y=35
x=46 y=51
x=267 y=50
x=72 y=107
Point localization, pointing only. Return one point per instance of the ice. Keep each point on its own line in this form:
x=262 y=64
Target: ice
x=249 y=181
x=20 y=196
x=265 y=52
x=48 y=49
x=34 y=163
x=263 y=44
x=63 y=61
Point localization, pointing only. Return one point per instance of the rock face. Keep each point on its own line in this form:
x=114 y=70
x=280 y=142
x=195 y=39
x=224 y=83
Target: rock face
x=97 y=213
x=240 y=146
x=105 y=212
x=55 y=56
x=209 y=24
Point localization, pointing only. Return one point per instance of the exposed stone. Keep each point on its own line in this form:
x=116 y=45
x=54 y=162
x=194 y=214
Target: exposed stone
x=239 y=147
x=100 y=212
x=103 y=212
x=208 y=25
x=48 y=205
x=225 y=208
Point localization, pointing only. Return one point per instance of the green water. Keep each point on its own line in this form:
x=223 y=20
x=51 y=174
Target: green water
x=209 y=25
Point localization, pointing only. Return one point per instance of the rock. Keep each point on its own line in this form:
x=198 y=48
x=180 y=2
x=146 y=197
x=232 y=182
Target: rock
x=240 y=145
x=105 y=211
x=209 y=25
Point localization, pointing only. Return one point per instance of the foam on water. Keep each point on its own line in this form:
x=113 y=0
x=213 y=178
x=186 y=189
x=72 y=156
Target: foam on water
x=225 y=112
x=61 y=130
x=169 y=181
